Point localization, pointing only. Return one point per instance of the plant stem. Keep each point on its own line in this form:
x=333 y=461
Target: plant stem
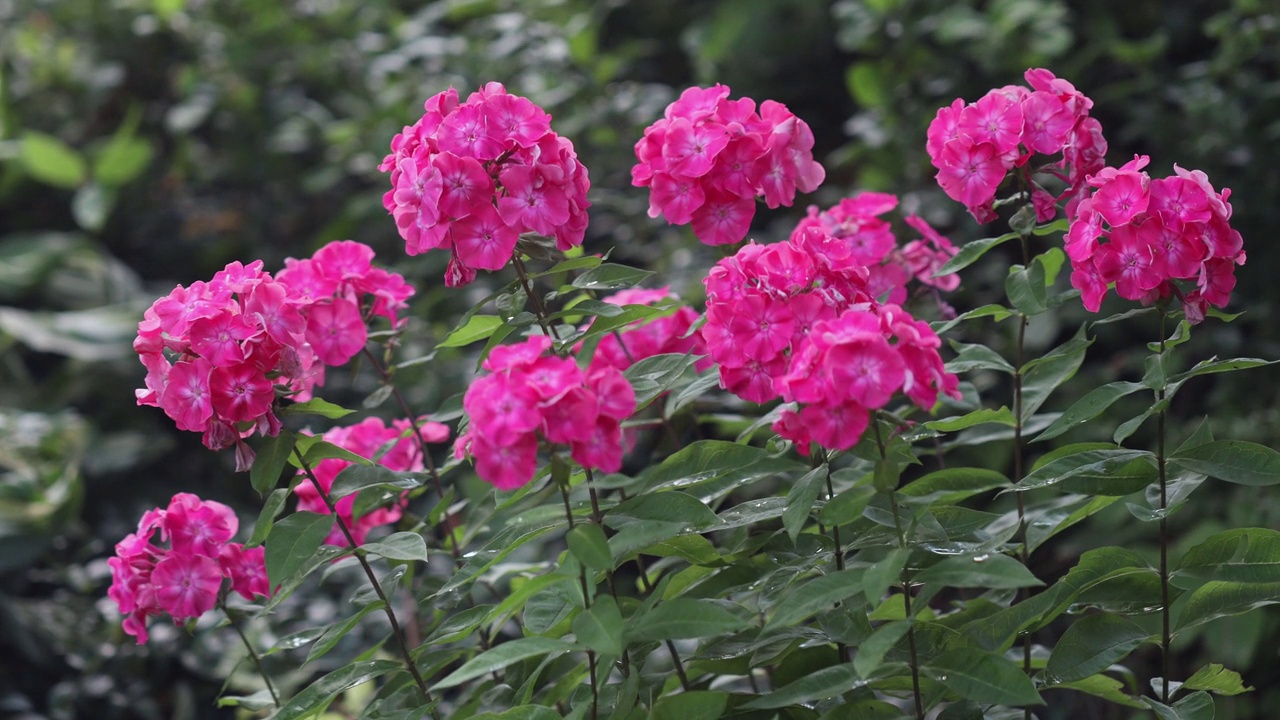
x=586 y=603
x=671 y=646
x=1018 y=467
x=842 y=648
x=257 y=659
x=429 y=462
x=539 y=308
x=906 y=584
x=1164 y=530
x=373 y=580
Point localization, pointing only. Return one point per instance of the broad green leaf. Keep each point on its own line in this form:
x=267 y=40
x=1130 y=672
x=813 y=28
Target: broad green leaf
x=600 y=627
x=668 y=506
x=461 y=624
x=865 y=709
x=864 y=80
x=951 y=485
x=1090 y=645
x=585 y=262
x=611 y=276
x=1088 y=463
x=998 y=312
x=983 y=677
x=316 y=406
x=322 y=691
x=656 y=374
x=315 y=448
x=1100 y=686
x=1245 y=555
x=987 y=570
x=476 y=328
x=293 y=541
x=1025 y=287
x=355 y=478
x=523 y=712
x=812 y=596
x=715 y=463
x=406 y=546
x=1129 y=591
x=91 y=206
x=1126 y=429
x=1236 y=461
x=694 y=548
x=846 y=506
x=800 y=499
x=694 y=705
x=825 y=683
x=681 y=618
x=338 y=630
x=884 y=573
x=970 y=252
x=122 y=159
x=589 y=545
x=977 y=357
x=502 y=544
x=1003 y=416
x=1042 y=526
x=270 y=460
x=1218 y=680
x=500 y=656
x=1208 y=367
x=1178 y=490
x=752 y=512
x=1093 y=404
x=271 y=509
x=1125 y=479
x=1217 y=599
x=872 y=651
x=707 y=381
x=1044 y=374
x=1196 y=706
x=49 y=160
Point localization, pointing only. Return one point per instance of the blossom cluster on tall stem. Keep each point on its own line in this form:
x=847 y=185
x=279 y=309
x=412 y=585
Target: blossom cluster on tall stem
x=471 y=177
x=185 y=579
x=219 y=353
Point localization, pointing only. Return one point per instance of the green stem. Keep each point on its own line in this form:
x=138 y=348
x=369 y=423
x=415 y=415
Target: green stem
x=539 y=308
x=1019 y=466
x=257 y=659
x=1164 y=531
x=396 y=631
x=906 y=584
x=586 y=603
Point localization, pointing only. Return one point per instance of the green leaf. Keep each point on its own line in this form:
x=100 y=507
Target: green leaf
x=1090 y=645
x=983 y=677
x=1208 y=367
x=812 y=596
x=1127 y=428
x=1101 y=686
x=1085 y=464
x=588 y=544
x=267 y=517
x=998 y=312
x=669 y=506
x=324 y=690
x=951 y=485
x=1045 y=374
x=1026 y=288
x=610 y=276
x=354 y=478
x=91 y=205
x=1217 y=599
x=522 y=712
x=1196 y=706
x=293 y=541
x=977 y=357
x=337 y=631
x=871 y=651
x=1245 y=555
x=694 y=705
x=825 y=683
x=49 y=160
x=270 y=460
x=1093 y=404
x=406 y=546
x=600 y=627
x=500 y=656
x=316 y=406
x=315 y=448
x=476 y=328
x=122 y=159
x=846 y=506
x=970 y=252
x=985 y=570
x=656 y=374
x=708 y=460
x=1003 y=416
x=883 y=573
x=681 y=618
x=581 y=263
x=800 y=499
x=1236 y=461
x=1218 y=680
x=1042 y=526
x=864 y=82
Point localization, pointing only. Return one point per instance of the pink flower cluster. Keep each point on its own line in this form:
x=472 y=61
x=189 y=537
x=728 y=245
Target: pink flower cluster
x=644 y=339
x=470 y=177
x=975 y=145
x=393 y=447
x=764 y=301
x=847 y=366
x=530 y=393
x=709 y=157
x=215 y=352
x=1157 y=231
x=855 y=222
x=184 y=579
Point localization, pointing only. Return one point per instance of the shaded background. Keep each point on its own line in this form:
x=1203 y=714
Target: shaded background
x=146 y=143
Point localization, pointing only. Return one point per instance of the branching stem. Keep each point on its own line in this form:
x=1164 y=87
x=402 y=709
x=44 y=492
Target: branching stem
x=257 y=659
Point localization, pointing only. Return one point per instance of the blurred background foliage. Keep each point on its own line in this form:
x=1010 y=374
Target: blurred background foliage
x=145 y=143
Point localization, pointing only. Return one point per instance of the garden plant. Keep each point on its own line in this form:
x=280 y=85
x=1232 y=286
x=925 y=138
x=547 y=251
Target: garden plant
x=764 y=505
